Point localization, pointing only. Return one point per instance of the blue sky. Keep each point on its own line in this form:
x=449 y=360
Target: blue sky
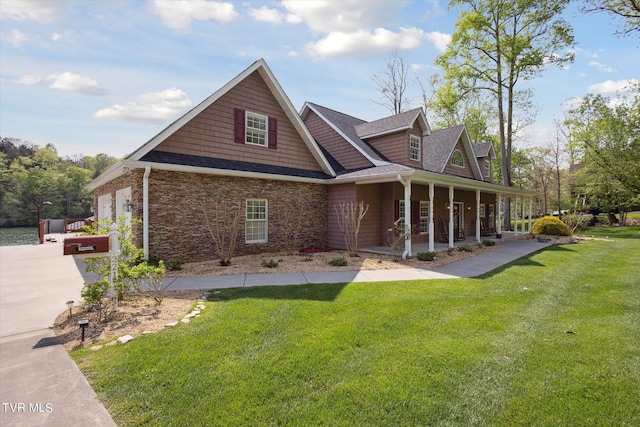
x=106 y=76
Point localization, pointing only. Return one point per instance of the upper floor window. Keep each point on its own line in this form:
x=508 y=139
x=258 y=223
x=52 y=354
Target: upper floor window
x=487 y=168
x=255 y=129
x=414 y=148
x=457 y=159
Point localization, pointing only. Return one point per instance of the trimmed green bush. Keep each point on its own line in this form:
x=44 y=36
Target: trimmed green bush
x=338 y=261
x=174 y=264
x=550 y=225
x=465 y=248
x=426 y=256
x=271 y=263
x=488 y=242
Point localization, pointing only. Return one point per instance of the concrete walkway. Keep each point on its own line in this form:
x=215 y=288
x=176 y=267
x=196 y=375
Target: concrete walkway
x=470 y=267
x=40 y=384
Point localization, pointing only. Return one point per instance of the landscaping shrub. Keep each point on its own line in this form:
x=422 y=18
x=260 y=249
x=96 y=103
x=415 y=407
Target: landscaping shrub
x=488 y=242
x=550 y=225
x=338 y=261
x=465 y=248
x=426 y=256
x=271 y=263
x=174 y=264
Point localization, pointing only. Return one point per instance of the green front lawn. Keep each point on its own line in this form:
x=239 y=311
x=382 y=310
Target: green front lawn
x=552 y=339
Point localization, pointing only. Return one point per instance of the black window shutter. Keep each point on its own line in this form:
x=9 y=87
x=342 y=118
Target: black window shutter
x=273 y=133
x=396 y=211
x=238 y=125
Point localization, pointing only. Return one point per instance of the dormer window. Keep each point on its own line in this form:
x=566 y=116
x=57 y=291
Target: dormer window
x=414 y=148
x=457 y=159
x=487 y=168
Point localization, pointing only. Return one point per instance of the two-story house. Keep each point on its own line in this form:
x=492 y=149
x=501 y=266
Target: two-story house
x=247 y=146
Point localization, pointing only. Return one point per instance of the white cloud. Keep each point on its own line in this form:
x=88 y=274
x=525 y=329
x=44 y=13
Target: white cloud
x=264 y=14
x=70 y=82
x=601 y=67
x=580 y=51
x=178 y=14
x=365 y=43
x=29 y=10
x=16 y=38
x=162 y=106
x=612 y=87
x=56 y=36
x=346 y=16
x=27 y=80
x=439 y=40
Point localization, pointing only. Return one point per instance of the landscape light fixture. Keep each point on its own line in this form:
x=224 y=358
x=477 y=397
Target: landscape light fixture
x=70 y=305
x=83 y=324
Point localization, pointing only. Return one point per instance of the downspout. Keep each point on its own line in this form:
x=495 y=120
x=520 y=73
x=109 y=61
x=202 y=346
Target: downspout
x=145 y=211
x=407 y=216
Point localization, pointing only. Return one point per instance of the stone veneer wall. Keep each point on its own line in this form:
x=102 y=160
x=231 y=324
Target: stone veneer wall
x=131 y=179
x=178 y=228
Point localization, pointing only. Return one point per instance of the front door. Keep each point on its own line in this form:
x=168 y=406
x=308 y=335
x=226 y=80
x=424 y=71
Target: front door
x=458 y=220
x=124 y=204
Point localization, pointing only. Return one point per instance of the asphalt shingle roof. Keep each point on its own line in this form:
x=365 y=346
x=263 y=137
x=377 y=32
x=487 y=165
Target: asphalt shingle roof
x=482 y=149
x=214 y=163
x=438 y=147
x=381 y=126
x=347 y=124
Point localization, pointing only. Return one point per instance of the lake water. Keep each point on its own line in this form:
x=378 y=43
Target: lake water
x=18 y=236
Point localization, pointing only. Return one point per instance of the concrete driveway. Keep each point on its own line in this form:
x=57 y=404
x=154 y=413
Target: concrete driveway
x=39 y=384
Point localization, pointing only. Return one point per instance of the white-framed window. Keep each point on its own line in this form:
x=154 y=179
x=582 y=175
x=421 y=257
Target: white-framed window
x=256 y=129
x=104 y=207
x=401 y=209
x=483 y=211
x=424 y=216
x=487 y=168
x=414 y=148
x=255 y=228
x=457 y=159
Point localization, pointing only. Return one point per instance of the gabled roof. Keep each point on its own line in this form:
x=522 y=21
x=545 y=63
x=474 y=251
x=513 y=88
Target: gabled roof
x=484 y=149
x=345 y=125
x=391 y=124
x=261 y=67
x=439 y=146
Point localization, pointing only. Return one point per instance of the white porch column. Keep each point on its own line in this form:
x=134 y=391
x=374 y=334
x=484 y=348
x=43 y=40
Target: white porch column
x=451 y=216
x=478 y=216
x=431 y=237
x=499 y=215
x=530 y=207
x=523 y=214
x=407 y=219
x=515 y=215
x=145 y=211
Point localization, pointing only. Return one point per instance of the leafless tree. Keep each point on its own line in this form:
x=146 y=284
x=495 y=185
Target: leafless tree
x=392 y=83
x=223 y=229
x=291 y=223
x=349 y=218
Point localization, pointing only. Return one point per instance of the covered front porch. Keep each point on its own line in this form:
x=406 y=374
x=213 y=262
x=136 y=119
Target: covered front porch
x=438 y=246
x=427 y=211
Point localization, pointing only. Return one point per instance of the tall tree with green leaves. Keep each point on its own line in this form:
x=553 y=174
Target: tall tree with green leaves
x=607 y=136
x=497 y=46
x=628 y=11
